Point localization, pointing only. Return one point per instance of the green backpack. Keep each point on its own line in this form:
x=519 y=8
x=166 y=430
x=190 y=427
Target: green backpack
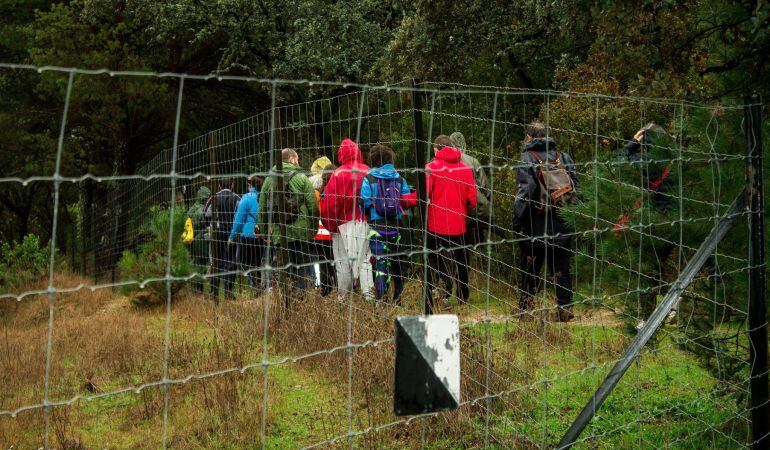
x=293 y=201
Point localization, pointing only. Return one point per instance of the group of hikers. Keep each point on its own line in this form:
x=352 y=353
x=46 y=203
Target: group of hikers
x=343 y=226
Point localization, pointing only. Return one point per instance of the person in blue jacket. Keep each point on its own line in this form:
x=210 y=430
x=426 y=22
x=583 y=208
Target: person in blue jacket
x=381 y=192
x=246 y=234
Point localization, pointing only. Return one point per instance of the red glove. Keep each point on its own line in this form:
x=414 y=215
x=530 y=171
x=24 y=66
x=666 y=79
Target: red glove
x=409 y=200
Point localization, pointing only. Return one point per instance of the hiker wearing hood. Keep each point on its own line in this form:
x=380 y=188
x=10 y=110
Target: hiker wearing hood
x=533 y=219
x=480 y=218
x=381 y=193
x=317 y=171
x=245 y=231
x=344 y=218
x=656 y=175
x=300 y=217
x=451 y=193
x=199 y=248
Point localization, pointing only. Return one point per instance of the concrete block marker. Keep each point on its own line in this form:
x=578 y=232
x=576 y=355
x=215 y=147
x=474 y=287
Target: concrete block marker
x=427 y=364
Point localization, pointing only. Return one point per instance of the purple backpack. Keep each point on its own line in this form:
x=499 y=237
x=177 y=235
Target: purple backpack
x=387 y=203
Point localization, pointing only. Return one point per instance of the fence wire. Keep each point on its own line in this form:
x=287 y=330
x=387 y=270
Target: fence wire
x=251 y=327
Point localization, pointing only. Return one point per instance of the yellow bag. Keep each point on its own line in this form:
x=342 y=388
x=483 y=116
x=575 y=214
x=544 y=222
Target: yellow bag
x=188 y=234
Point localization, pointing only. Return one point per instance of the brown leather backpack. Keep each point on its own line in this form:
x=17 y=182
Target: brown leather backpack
x=556 y=186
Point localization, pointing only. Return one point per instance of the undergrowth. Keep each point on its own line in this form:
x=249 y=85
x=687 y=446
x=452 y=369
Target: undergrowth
x=540 y=375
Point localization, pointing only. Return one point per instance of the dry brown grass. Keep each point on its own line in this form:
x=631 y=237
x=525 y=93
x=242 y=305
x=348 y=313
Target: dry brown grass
x=102 y=343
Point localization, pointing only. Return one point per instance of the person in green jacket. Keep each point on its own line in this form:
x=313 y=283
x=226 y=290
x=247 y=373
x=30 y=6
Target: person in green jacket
x=199 y=248
x=479 y=220
x=300 y=216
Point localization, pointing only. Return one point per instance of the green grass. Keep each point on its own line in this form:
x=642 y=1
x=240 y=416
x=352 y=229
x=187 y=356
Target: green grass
x=299 y=399
x=664 y=398
x=296 y=401
x=106 y=424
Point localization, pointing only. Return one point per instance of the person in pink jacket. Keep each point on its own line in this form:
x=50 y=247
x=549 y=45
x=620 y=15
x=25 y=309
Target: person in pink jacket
x=451 y=194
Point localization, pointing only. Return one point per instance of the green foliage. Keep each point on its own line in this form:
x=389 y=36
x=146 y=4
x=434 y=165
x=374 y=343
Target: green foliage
x=23 y=262
x=636 y=265
x=700 y=50
x=482 y=42
x=149 y=262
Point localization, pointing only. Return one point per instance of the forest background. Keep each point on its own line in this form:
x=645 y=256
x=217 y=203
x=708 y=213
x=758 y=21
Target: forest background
x=702 y=51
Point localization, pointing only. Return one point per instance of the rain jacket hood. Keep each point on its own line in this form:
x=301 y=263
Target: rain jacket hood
x=449 y=154
x=349 y=152
x=319 y=165
x=288 y=167
x=316 y=171
x=459 y=141
x=203 y=194
x=342 y=194
x=540 y=145
x=386 y=172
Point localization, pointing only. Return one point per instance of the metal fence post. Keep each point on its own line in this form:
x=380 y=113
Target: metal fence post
x=419 y=144
x=757 y=307
x=419 y=151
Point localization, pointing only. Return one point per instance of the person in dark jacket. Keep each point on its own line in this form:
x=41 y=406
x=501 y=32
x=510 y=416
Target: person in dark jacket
x=245 y=232
x=551 y=238
x=451 y=192
x=385 y=224
x=652 y=165
x=655 y=176
x=222 y=208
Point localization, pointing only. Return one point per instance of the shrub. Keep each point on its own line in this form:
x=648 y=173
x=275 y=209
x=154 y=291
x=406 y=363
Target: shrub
x=23 y=262
x=149 y=261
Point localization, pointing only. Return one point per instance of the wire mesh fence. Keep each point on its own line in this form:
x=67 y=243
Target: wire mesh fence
x=271 y=325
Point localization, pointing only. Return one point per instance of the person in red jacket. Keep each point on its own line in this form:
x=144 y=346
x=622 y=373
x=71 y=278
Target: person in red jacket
x=451 y=194
x=344 y=218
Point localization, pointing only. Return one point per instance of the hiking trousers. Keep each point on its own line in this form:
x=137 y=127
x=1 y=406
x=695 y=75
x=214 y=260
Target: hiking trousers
x=350 y=246
x=251 y=260
x=475 y=231
x=301 y=255
x=447 y=265
x=326 y=266
x=557 y=258
x=386 y=266
x=200 y=263
x=224 y=266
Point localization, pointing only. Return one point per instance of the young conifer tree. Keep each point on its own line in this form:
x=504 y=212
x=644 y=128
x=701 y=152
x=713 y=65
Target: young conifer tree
x=643 y=237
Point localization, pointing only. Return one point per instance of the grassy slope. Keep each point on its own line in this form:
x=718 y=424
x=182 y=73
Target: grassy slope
x=665 y=398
